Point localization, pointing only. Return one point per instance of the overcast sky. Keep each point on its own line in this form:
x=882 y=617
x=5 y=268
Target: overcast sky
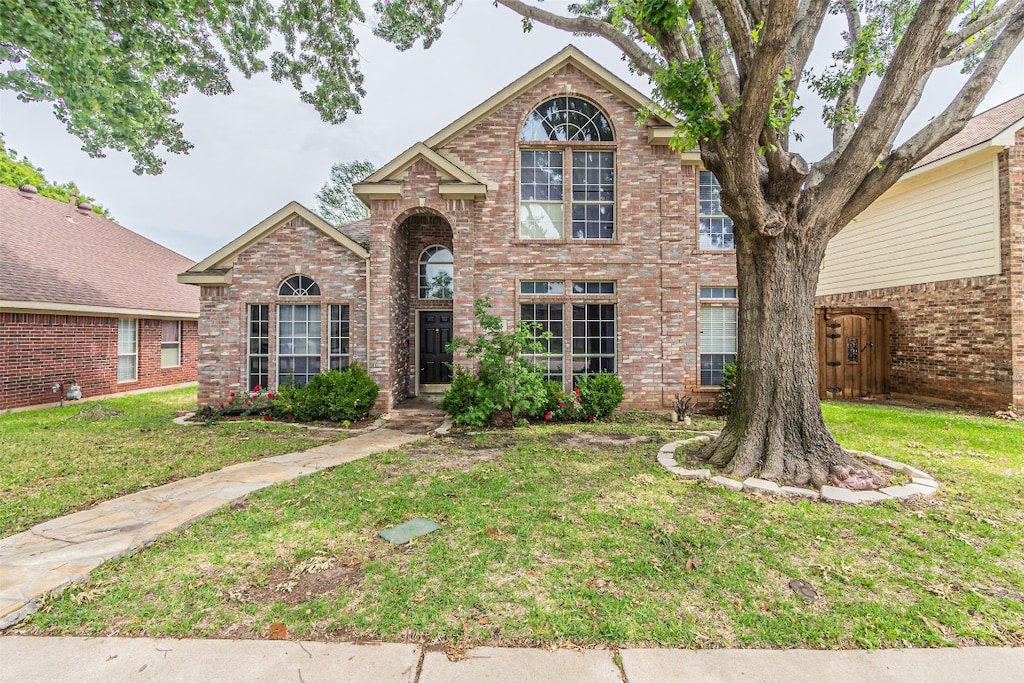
x=260 y=147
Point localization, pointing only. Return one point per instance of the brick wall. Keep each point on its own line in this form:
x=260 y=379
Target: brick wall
x=296 y=248
x=654 y=258
x=37 y=350
x=963 y=340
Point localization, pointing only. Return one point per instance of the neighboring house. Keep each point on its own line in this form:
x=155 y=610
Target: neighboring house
x=555 y=198
x=83 y=299
x=944 y=250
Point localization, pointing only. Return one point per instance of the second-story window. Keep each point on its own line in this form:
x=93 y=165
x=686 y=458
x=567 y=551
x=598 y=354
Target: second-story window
x=567 y=137
x=715 y=226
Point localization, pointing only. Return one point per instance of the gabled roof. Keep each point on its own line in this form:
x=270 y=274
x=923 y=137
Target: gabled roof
x=457 y=182
x=994 y=127
x=570 y=54
x=56 y=258
x=216 y=268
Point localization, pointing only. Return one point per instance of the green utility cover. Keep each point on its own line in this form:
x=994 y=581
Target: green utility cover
x=403 y=533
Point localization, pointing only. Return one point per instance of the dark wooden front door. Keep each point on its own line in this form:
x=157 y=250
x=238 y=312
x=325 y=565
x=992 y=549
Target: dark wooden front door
x=435 y=336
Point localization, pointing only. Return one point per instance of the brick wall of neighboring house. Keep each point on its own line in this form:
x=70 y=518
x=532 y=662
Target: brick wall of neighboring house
x=296 y=248
x=654 y=259
x=37 y=350
x=963 y=340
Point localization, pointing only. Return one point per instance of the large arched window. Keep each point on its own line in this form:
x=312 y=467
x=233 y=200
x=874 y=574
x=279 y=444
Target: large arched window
x=437 y=272
x=298 y=333
x=299 y=285
x=585 y=152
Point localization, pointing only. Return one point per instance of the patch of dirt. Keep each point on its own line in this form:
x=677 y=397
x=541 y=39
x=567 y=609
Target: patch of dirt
x=601 y=440
x=96 y=411
x=291 y=589
x=446 y=454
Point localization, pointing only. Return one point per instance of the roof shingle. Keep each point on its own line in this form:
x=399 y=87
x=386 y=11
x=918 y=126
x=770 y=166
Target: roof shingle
x=51 y=253
x=981 y=128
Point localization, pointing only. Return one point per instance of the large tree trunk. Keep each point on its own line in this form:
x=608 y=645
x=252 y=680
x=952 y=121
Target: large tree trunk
x=776 y=430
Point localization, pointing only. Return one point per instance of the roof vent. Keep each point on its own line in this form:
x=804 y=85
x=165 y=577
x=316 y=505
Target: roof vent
x=28 y=191
x=85 y=208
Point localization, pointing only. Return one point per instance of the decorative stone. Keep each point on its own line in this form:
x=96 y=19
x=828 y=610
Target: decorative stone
x=871 y=497
x=667 y=461
x=691 y=474
x=909 y=490
x=798 y=492
x=761 y=486
x=835 y=494
x=925 y=481
x=914 y=472
x=878 y=460
x=728 y=483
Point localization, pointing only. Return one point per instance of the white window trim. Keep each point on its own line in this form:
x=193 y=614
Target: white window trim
x=167 y=345
x=134 y=355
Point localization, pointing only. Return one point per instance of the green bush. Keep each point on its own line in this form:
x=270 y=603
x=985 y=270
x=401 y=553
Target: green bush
x=559 y=405
x=600 y=394
x=466 y=401
x=338 y=396
x=726 y=396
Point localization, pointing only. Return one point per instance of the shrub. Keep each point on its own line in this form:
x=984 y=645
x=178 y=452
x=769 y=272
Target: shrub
x=339 y=396
x=726 y=396
x=559 y=405
x=466 y=401
x=600 y=395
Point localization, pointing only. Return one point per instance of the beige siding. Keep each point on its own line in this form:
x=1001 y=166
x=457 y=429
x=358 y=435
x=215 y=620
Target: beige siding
x=938 y=225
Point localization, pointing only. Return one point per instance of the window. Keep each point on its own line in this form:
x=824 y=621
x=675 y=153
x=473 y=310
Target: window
x=715 y=226
x=298 y=344
x=437 y=271
x=127 y=350
x=548 y=318
x=589 y=339
x=338 y=321
x=299 y=285
x=259 y=345
x=170 y=343
x=717 y=333
x=585 y=133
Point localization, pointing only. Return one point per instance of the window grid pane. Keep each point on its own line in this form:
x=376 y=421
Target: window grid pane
x=717 y=342
x=437 y=271
x=298 y=343
x=593 y=339
x=299 y=285
x=541 y=210
x=715 y=227
x=549 y=317
x=566 y=119
x=259 y=345
x=338 y=354
x=593 y=195
x=127 y=350
x=593 y=287
x=542 y=287
x=717 y=292
x=170 y=343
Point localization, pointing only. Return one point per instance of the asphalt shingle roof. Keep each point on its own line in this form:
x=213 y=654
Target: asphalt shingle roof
x=52 y=253
x=358 y=232
x=982 y=128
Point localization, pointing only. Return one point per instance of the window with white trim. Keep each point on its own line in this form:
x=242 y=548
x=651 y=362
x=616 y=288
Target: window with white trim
x=298 y=343
x=574 y=138
x=715 y=227
x=588 y=343
x=437 y=271
x=337 y=349
x=127 y=350
x=259 y=345
x=718 y=338
x=170 y=343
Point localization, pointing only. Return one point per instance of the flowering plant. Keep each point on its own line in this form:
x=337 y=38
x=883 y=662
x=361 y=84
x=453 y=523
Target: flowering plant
x=242 y=404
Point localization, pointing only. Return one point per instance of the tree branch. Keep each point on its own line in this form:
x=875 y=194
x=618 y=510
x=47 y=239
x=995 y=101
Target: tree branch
x=991 y=19
x=848 y=99
x=584 y=24
x=941 y=128
x=713 y=42
x=759 y=86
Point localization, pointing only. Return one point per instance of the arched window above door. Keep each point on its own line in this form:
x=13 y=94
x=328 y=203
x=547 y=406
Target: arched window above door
x=437 y=273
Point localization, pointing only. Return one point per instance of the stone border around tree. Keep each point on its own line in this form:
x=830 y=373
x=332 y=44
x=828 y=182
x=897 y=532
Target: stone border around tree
x=921 y=483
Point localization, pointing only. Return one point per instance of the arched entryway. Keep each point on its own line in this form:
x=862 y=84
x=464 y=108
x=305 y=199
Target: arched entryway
x=424 y=268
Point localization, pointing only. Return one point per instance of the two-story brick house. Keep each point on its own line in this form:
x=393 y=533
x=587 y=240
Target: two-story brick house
x=556 y=198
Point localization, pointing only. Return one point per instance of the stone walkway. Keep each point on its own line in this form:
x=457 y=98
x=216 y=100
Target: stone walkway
x=62 y=551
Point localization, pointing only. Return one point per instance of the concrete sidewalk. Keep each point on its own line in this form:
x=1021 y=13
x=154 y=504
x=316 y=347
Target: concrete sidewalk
x=62 y=551
x=112 y=660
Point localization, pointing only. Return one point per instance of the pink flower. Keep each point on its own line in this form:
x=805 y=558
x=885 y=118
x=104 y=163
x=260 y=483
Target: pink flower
x=592 y=418
x=576 y=391
x=267 y=418
x=222 y=406
x=256 y=388
x=232 y=394
x=248 y=404
x=271 y=396
x=547 y=416
x=561 y=405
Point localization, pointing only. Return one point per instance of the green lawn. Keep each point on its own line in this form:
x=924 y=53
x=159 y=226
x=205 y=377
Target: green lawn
x=57 y=460
x=575 y=534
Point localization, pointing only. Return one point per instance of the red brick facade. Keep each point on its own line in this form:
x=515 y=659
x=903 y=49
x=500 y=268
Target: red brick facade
x=38 y=350
x=963 y=340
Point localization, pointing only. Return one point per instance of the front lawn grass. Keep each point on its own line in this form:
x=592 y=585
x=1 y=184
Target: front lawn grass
x=57 y=460
x=574 y=534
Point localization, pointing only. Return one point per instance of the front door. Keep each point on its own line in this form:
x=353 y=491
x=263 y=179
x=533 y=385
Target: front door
x=435 y=336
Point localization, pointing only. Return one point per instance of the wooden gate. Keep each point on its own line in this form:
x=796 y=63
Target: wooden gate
x=853 y=352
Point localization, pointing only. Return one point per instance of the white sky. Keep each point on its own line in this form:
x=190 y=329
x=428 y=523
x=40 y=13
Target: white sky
x=260 y=147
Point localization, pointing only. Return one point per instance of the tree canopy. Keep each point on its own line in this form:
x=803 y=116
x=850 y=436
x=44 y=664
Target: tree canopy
x=113 y=70
x=15 y=172
x=335 y=201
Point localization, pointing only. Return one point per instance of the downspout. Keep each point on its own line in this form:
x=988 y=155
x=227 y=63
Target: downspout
x=366 y=262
